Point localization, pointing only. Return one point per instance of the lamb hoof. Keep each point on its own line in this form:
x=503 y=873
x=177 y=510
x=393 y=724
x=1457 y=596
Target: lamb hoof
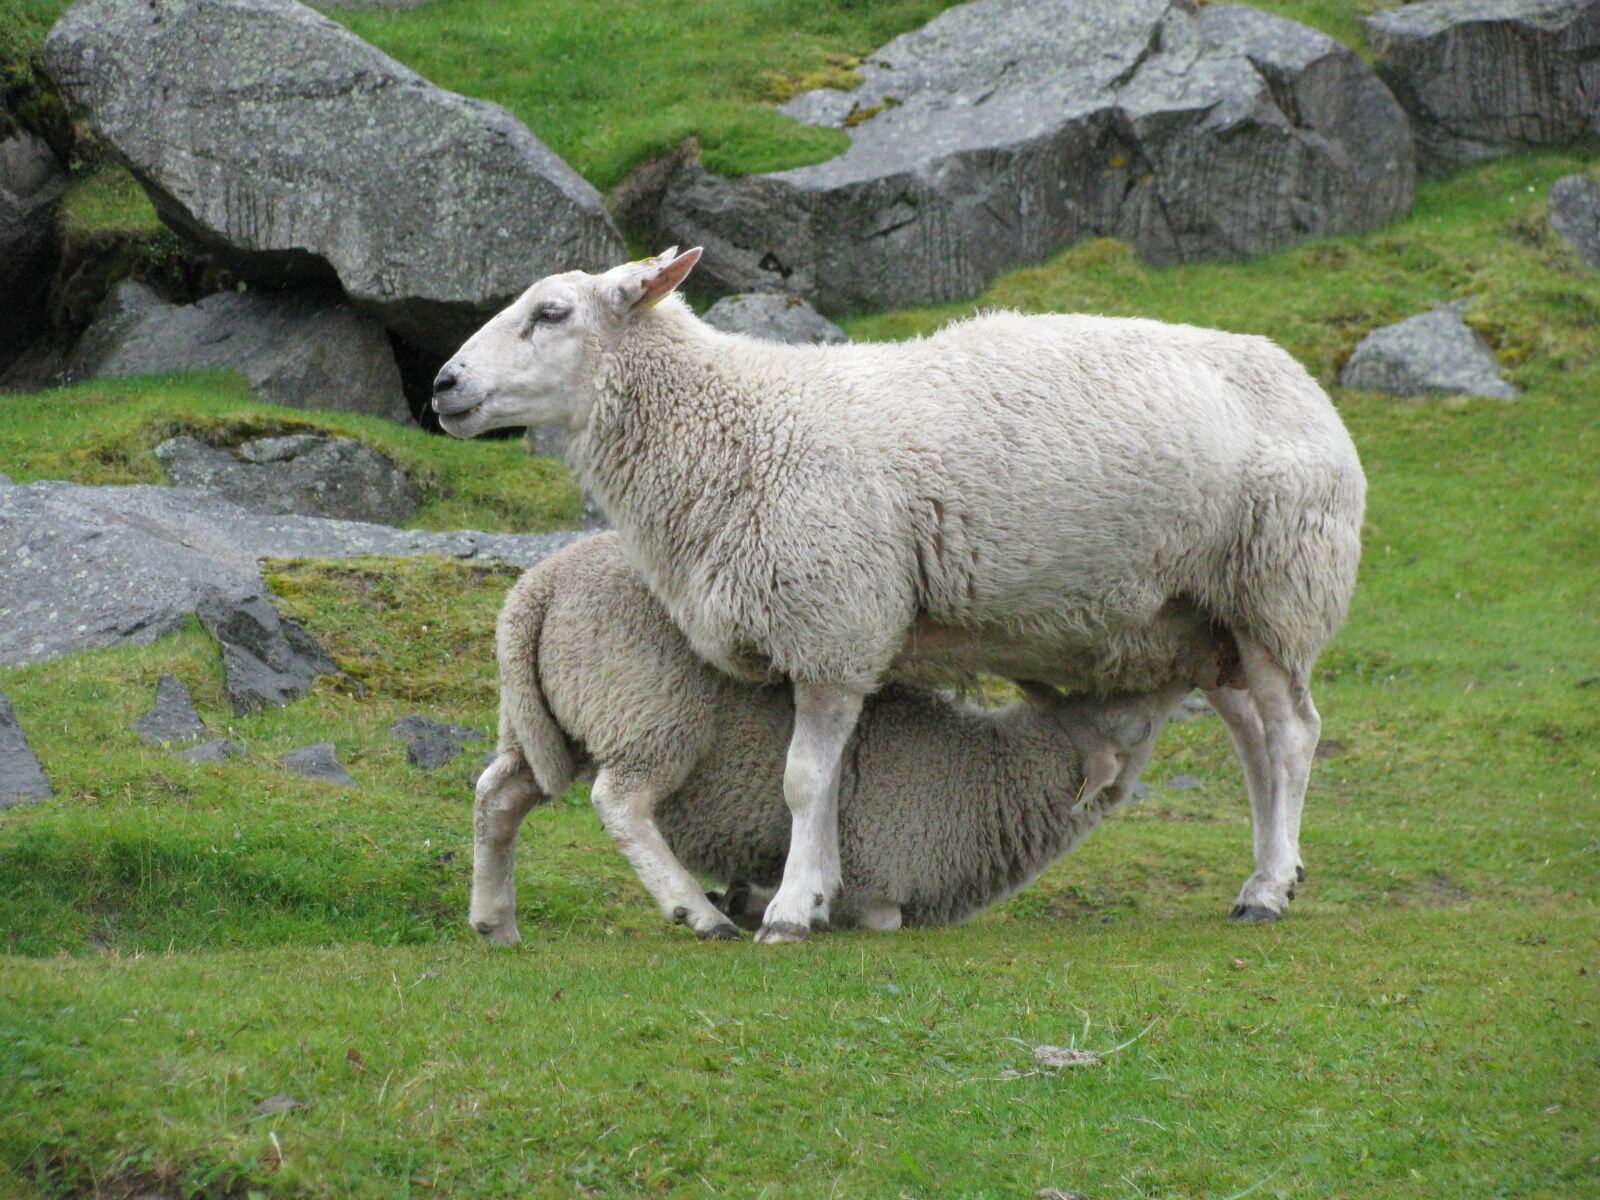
x=720 y=933
x=781 y=933
x=1299 y=873
x=1252 y=913
x=498 y=935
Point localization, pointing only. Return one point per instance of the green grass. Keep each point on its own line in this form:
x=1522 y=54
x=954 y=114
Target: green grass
x=185 y=941
x=105 y=431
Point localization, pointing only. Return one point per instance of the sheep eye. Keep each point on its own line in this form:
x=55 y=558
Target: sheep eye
x=548 y=313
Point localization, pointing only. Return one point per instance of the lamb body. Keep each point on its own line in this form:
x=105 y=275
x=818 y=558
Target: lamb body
x=1042 y=497
x=945 y=807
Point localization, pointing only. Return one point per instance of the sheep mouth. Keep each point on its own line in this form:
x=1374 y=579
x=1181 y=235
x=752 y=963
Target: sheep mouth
x=454 y=423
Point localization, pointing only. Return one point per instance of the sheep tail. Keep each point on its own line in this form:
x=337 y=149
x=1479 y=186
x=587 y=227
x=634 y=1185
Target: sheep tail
x=526 y=723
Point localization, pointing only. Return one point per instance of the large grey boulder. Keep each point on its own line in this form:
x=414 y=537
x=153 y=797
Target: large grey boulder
x=31 y=184
x=302 y=473
x=22 y=779
x=172 y=717
x=1482 y=78
x=1433 y=353
x=775 y=317
x=295 y=150
x=102 y=566
x=305 y=349
x=1574 y=209
x=1005 y=129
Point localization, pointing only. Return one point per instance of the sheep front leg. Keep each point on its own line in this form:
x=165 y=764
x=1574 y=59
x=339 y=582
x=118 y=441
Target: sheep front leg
x=824 y=718
x=506 y=791
x=627 y=809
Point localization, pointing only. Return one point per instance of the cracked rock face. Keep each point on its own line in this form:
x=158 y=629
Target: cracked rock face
x=303 y=473
x=295 y=150
x=1483 y=78
x=306 y=349
x=1433 y=353
x=1005 y=129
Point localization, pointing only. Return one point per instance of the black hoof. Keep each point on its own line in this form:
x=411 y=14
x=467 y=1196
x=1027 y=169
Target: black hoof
x=1252 y=913
x=720 y=933
x=1291 y=891
x=736 y=899
x=782 y=931
x=1299 y=873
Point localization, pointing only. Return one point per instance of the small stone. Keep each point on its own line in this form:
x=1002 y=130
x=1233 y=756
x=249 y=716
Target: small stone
x=267 y=659
x=318 y=762
x=1435 y=352
x=1053 y=1193
x=172 y=718
x=216 y=750
x=273 y=1105
x=1141 y=789
x=1575 y=215
x=22 y=779
x=1058 y=1057
x=431 y=744
x=1182 y=783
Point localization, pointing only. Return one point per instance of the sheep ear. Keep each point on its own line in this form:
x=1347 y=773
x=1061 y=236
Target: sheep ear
x=641 y=285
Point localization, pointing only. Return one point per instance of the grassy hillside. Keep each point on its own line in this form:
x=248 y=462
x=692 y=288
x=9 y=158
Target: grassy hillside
x=185 y=942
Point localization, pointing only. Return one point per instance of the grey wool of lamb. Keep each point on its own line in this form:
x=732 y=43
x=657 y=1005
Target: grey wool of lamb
x=945 y=808
x=1040 y=497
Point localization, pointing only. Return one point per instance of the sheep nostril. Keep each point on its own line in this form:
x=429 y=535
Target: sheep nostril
x=445 y=380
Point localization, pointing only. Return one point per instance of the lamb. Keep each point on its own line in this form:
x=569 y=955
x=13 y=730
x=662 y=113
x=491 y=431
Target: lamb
x=946 y=807
x=1049 y=498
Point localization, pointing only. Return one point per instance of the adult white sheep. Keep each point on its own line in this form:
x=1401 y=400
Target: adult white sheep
x=946 y=808
x=1034 y=496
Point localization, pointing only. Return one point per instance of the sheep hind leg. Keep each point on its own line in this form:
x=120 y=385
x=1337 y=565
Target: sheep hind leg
x=1277 y=749
x=627 y=810
x=505 y=792
x=824 y=718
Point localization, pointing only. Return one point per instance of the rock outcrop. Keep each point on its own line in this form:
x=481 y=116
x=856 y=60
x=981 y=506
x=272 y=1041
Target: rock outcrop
x=1482 y=78
x=104 y=566
x=295 y=151
x=1005 y=129
x=1433 y=353
x=303 y=473
x=775 y=317
x=305 y=349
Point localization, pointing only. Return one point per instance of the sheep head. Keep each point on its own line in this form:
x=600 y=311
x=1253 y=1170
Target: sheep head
x=531 y=363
